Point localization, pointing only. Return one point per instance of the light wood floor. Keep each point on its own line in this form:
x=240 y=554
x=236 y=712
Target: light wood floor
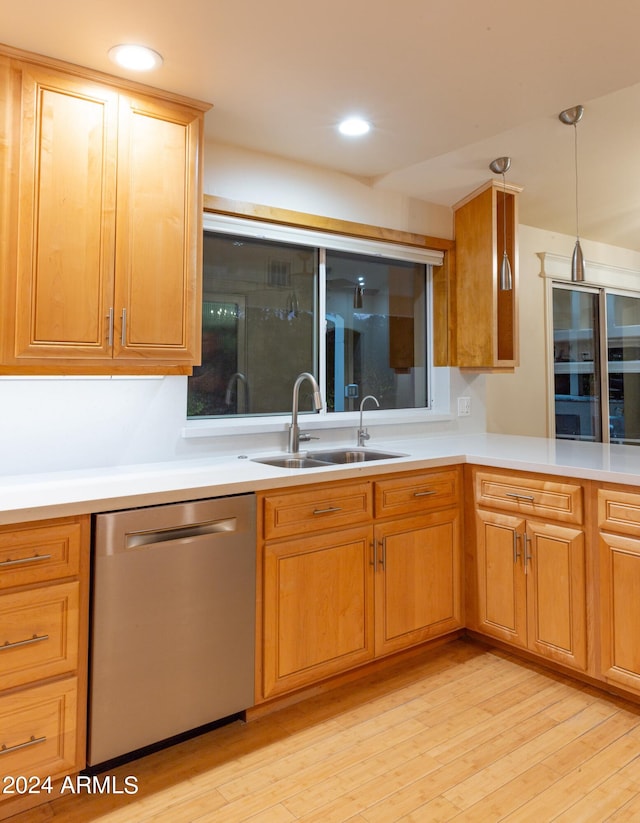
x=462 y=733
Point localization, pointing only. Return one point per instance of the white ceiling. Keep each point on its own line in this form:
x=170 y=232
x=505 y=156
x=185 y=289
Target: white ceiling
x=447 y=84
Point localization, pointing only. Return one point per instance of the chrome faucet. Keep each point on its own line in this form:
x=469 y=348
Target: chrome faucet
x=295 y=435
x=363 y=434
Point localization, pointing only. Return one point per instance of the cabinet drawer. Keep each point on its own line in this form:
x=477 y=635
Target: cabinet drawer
x=34 y=554
x=417 y=493
x=38 y=633
x=38 y=730
x=316 y=509
x=619 y=511
x=530 y=496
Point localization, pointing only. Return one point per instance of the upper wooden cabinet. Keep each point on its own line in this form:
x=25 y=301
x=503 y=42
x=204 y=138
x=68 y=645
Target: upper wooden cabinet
x=483 y=317
x=102 y=274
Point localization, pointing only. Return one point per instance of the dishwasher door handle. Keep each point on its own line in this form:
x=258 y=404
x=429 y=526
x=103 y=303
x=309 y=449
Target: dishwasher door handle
x=146 y=538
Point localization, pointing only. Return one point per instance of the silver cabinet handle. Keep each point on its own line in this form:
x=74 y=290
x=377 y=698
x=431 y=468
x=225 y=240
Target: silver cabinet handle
x=374 y=547
x=527 y=556
x=37 y=638
x=36 y=558
x=110 y=332
x=328 y=510
x=425 y=494
x=4 y=749
x=516 y=553
x=528 y=497
x=383 y=554
x=123 y=332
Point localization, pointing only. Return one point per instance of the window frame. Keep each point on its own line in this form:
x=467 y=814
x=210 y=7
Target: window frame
x=602 y=280
x=438 y=382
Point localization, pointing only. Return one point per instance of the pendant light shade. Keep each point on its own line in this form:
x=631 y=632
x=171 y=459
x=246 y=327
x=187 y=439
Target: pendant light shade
x=571 y=117
x=505 y=280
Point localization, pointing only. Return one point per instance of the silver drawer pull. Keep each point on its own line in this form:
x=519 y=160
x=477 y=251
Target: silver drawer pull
x=4 y=749
x=37 y=638
x=328 y=510
x=35 y=559
x=425 y=494
x=528 y=497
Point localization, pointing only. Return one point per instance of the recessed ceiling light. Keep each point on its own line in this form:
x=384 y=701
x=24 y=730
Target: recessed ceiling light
x=354 y=127
x=138 y=58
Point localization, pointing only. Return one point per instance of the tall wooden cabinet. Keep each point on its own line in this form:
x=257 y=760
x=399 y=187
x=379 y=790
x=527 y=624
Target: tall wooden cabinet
x=531 y=565
x=484 y=317
x=104 y=201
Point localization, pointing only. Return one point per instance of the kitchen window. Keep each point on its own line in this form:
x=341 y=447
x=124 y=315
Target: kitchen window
x=354 y=313
x=596 y=360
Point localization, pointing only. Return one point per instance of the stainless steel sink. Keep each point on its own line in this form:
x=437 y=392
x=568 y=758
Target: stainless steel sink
x=325 y=458
x=352 y=455
x=291 y=462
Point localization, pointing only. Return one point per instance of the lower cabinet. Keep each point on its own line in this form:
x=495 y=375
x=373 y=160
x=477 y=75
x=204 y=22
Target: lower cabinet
x=318 y=607
x=336 y=596
x=530 y=572
x=417 y=579
x=619 y=555
x=44 y=592
x=532 y=587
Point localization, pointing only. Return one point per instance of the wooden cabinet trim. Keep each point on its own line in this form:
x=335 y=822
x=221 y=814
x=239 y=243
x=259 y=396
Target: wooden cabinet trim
x=329 y=506
x=39 y=633
x=416 y=492
x=619 y=511
x=539 y=496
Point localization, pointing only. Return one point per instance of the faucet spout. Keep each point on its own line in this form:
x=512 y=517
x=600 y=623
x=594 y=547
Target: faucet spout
x=294 y=430
x=363 y=434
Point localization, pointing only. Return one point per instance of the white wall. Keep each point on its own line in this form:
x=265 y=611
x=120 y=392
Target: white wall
x=66 y=423
x=518 y=403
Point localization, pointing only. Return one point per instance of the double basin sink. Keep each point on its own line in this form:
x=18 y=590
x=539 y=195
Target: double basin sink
x=328 y=457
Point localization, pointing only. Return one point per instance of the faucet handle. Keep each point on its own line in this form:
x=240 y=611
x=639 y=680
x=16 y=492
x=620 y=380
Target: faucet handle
x=305 y=437
x=363 y=435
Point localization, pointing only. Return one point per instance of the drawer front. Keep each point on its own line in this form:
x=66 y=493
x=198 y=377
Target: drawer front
x=316 y=509
x=37 y=553
x=38 y=633
x=38 y=731
x=417 y=493
x=544 y=498
x=619 y=511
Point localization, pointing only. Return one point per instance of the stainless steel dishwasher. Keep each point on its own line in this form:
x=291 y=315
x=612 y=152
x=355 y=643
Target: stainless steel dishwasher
x=173 y=621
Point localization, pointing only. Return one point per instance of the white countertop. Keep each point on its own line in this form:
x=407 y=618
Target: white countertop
x=29 y=497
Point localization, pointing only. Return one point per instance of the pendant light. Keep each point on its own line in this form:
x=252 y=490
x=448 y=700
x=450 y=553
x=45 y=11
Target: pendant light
x=499 y=166
x=571 y=117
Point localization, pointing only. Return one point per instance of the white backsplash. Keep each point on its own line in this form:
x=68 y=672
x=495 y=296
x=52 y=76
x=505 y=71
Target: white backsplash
x=50 y=424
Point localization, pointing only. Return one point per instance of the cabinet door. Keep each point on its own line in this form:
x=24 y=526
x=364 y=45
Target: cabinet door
x=417 y=579
x=620 y=609
x=556 y=605
x=502 y=595
x=66 y=218
x=318 y=607
x=158 y=252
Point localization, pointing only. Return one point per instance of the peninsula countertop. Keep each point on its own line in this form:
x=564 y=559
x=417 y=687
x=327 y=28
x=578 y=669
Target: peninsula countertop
x=28 y=497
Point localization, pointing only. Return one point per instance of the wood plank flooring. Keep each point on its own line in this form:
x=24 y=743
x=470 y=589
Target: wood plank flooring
x=461 y=734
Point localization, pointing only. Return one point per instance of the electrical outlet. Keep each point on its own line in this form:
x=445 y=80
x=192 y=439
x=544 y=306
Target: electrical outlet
x=464 y=406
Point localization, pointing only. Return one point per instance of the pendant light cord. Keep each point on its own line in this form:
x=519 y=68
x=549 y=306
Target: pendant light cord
x=504 y=214
x=575 y=144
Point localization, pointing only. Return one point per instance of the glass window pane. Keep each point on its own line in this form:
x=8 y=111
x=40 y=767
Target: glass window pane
x=375 y=332
x=576 y=365
x=623 y=356
x=259 y=326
